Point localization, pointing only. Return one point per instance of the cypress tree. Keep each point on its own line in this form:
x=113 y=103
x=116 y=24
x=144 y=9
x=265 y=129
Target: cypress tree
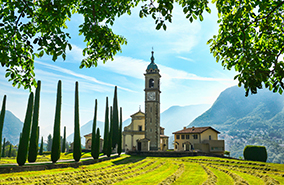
x=120 y=134
x=93 y=147
x=25 y=136
x=3 y=149
x=97 y=145
x=109 y=149
x=106 y=129
x=55 y=149
x=64 y=141
x=10 y=151
x=77 y=150
x=33 y=148
x=115 y=121
x=2 y=116
x=41 y=147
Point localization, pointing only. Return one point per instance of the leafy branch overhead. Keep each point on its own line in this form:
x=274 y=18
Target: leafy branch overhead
x=250 y=38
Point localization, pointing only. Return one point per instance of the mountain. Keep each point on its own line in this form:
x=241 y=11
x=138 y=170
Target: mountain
x=232 y=110
x=254 y=120
x=12 y=128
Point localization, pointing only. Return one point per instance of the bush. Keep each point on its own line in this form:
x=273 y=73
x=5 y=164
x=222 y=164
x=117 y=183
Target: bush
x=255 y=153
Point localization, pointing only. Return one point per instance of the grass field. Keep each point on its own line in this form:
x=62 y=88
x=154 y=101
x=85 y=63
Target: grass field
x=153 y=170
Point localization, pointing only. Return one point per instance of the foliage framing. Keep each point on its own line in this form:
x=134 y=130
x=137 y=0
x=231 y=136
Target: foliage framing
x=77 y=150
x=25 y=135
x=2 y=116
x=55 y=150
x=33 y=148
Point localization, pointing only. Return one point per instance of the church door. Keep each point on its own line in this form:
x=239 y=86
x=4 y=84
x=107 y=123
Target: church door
x=187 y=147
x=139 y=146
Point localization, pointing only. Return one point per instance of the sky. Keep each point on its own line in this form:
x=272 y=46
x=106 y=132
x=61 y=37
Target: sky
x=190 y=74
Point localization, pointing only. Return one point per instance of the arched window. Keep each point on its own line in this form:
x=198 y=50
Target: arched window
x=151 y=83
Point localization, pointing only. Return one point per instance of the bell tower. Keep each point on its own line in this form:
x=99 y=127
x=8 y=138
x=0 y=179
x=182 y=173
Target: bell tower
x=152 y=104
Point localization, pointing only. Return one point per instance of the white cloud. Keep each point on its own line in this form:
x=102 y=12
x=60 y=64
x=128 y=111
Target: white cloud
x=184 y=58
x=85 y=77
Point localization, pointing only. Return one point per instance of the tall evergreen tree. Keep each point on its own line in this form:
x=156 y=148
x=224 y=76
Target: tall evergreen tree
x=49 y=142
x=3 y=149
x=115 y=121
x=77 y=150
x=10 y=151
x=55 y=150
x=93 y=147
x=120 y=134
x=64 y=141
x=109 y=148
x=25 y=135
x=33 y=148
x=41 y=147
x=2 y=116
x=106 y=131
x=96 y=145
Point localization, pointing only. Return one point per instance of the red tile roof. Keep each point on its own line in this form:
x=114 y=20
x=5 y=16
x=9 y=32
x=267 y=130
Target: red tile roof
x=194 y=130
x=163 y=136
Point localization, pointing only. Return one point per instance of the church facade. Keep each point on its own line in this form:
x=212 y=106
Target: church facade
x=145 y=133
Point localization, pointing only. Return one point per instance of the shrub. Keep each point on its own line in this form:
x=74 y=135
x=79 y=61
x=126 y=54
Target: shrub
x=255 y=153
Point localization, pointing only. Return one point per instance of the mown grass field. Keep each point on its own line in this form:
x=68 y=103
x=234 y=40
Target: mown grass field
x=153 y=170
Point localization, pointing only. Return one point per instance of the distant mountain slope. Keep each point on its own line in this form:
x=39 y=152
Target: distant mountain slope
x=232 y=110
x=177 y=117
x=12 y=128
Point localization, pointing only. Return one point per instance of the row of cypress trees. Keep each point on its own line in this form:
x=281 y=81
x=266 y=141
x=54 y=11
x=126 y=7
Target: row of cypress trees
x=28 y=143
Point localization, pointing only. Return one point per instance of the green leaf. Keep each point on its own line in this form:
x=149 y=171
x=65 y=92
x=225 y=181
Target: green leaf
x=201 y=17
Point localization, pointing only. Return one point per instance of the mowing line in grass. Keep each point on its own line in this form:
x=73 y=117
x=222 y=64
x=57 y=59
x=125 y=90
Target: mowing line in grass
x=222 y=178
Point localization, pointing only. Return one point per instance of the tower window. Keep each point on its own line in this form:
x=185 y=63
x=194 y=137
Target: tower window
x=151 y=83
x=140 y=128
x=209 y=137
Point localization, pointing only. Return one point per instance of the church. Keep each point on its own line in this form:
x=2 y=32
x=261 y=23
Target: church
x=144 y=132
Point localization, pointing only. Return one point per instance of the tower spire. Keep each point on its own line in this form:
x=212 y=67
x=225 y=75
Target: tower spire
x=152 y=57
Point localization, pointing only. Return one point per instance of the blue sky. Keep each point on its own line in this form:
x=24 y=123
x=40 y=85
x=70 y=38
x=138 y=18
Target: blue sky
x=190 y=74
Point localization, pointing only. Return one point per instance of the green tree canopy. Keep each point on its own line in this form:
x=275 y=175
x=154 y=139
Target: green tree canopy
x=250 y=37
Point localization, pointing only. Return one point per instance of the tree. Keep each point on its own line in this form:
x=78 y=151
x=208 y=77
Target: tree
x=93 y=147
x=96 y=152
x=3 y=149
x=115 y=123
x=49 y=142
x=41 y=147
x=25 y=135
x=2 y=116
x=55 y=150
x=120 y=134
x=77 y=150
x=249 y=40
x=64 y=141
x=10 y=151
x=33 y=148
x=105 y=146
x=110 y=134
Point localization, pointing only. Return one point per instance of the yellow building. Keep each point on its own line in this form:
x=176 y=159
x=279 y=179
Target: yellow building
x=88 y=142
x=203 y=139
x=135 y=132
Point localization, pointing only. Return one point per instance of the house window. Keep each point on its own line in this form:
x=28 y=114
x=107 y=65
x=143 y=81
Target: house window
x=182 y=136
x=177 y=136
x=187 y=136
x=176 y=147
x=139 y=127
x=195 y=136
x=209 y=137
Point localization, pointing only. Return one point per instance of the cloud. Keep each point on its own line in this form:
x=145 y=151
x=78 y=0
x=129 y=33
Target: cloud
x=184 y=58
x=135 y=68
x=85 y=77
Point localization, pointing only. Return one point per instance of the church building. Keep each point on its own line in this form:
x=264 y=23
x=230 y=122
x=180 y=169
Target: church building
x=145 y=133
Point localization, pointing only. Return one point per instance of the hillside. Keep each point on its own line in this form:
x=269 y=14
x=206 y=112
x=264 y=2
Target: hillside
x=12 y=128
x=254 y=120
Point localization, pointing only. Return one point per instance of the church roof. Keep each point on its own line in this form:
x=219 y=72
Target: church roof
x=194 y=130
x=152 y=66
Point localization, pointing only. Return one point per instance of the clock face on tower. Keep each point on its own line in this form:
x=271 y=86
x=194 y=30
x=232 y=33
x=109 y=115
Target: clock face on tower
x=151 y=96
